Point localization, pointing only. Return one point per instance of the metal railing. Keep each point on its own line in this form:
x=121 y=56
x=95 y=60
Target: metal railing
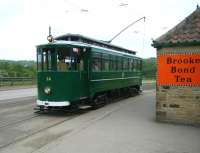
x=12 y=81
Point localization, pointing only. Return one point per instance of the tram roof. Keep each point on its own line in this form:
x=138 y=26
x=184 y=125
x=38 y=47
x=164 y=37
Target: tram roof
x=91 y=41
x=82 y=44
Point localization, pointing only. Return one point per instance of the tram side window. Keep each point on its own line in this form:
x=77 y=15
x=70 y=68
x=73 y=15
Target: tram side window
x=120 y=63
x=96 y=62
x=125 y=64
x=117 y=63
x=140 y=65
x=130 y=65
x=134 y=65
x=105 y=62
x=113 y=63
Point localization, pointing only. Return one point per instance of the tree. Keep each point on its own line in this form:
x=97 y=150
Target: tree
x=149 y=68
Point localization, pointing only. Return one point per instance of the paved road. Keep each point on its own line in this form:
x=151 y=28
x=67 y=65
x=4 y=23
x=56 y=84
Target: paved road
x=17 y=93
x=127 y=126
x=18 y=120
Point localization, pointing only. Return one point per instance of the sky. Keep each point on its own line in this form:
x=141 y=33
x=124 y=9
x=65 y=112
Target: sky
x=24 y=23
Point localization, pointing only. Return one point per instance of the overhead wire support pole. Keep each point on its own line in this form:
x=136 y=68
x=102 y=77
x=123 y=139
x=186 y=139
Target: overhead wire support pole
x=126 y=28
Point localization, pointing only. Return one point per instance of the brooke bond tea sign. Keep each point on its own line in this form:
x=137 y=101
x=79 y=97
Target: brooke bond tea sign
x=179 y=69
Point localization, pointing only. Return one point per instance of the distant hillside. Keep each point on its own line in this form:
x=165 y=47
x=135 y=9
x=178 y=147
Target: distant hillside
x=10 y=68
x=149 y=68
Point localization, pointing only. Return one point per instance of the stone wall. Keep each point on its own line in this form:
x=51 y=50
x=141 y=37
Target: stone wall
x=178 y=104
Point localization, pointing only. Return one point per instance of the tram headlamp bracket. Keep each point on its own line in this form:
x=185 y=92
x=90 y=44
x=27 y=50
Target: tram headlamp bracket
x=47 y=90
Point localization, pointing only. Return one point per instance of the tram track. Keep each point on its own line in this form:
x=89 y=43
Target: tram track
x=19 y=121
x=6 y=124
x=35 y=132
x=16 y=113
x=54 y=121
x=22 y=123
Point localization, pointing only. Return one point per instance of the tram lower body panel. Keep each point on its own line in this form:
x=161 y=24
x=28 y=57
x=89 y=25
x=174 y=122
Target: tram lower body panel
x=111 y=81
x=60 y=89
x=67 y=88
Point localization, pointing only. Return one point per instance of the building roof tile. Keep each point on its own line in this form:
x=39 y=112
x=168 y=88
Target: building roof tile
x=186 y=32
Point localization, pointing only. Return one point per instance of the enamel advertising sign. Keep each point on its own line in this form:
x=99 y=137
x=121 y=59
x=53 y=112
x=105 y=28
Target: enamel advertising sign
x=179 y=69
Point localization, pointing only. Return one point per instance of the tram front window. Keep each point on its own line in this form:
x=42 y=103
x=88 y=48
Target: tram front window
x=59 y=59
x=44 y=59
x=68 y=59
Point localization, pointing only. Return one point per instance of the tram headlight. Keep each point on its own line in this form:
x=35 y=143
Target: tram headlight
x=47 y=90
x=50 y=38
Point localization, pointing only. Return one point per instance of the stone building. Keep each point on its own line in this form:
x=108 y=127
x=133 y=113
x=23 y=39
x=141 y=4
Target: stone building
x=178 y=79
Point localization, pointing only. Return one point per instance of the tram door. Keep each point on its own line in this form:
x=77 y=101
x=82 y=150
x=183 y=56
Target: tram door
x=83 y=72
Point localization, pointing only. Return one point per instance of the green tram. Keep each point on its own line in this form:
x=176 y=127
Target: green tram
x=74 y=69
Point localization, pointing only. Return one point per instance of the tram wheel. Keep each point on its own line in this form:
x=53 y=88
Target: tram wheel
x=99 y=101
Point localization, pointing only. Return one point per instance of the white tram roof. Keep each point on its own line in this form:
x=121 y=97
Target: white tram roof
x=95 y=42
x=82 y=44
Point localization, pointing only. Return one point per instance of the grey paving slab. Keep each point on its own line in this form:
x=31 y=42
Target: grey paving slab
x=131 y=129
x=17 y=93
x=127 y=126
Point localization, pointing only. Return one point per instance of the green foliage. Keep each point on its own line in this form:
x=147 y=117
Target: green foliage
x=149 y=68
x=17 y=68
x=28 y=68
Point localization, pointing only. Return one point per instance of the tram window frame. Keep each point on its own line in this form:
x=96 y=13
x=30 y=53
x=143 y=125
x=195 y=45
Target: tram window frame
x=96 y=62
x=125 y=64
x=114 y=63
x=44 y=60
x=67 y=59
x=39 y=60
x=45 y=54
x=140 y=65
x=49 y=60
x=105 y=62
x=133 y=65
x=120 y=63
x=130 y=65
x=48 y=55
x=136 y=65
x=127 y=69
x=111 y=62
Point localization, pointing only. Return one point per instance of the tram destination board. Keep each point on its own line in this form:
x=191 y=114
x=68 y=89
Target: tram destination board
x=179 y=69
